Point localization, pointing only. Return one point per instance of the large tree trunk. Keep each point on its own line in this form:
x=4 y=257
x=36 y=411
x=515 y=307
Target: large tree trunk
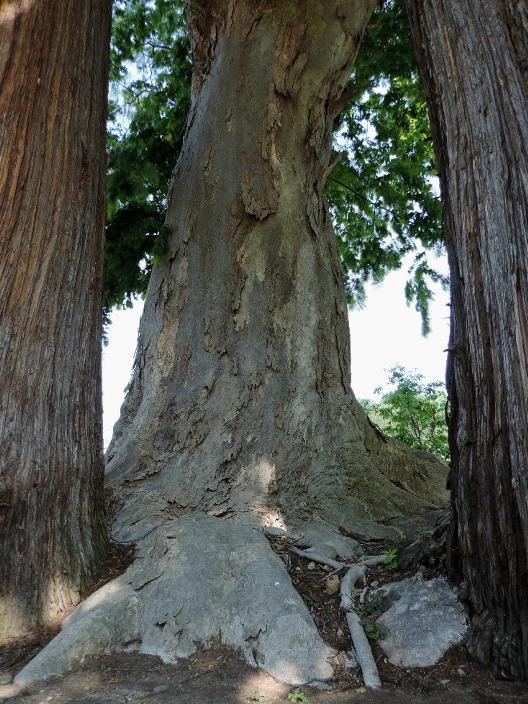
x=240 y=402
x=473 y=59
x=53 y=69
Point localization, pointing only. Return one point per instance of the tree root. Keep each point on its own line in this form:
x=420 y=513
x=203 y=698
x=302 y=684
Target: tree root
x=432 y=550
x=309 y=555
x=359 y=639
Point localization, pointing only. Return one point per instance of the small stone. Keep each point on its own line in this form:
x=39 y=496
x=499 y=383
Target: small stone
x=161 y=688
x=374 y=583
x=311 y=565
x=361 y=690
x=461 y=672
x=350 y=660
x=332 y=585
x=444 y=681
x=6 y=679
x=339 y=633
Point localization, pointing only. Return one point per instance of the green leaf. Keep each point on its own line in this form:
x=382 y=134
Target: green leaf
x=381 y=194
x=413 y=412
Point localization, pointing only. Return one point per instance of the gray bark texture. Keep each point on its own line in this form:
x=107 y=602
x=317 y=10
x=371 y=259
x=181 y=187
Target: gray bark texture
x=198 y=580
x=475 y=70
x=240 y=402
x=53 y=69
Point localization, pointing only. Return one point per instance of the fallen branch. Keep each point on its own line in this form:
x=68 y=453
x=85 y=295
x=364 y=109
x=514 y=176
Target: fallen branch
x=367 y=561
x=359 y=639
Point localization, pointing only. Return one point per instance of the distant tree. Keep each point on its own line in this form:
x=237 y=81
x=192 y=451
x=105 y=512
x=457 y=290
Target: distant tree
x=53 y=93
x=414 y=412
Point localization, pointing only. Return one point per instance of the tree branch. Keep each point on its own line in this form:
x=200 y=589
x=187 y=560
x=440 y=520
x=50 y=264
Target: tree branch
x=358 y=194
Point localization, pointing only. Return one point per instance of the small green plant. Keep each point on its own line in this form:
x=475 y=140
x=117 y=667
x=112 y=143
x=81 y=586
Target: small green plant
x=298 y=696
x=390 y=558
x=373 y=630
x=376 y=605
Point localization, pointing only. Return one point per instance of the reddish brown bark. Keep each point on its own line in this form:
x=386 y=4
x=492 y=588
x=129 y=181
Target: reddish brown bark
x=53 y=83
x=473 y=61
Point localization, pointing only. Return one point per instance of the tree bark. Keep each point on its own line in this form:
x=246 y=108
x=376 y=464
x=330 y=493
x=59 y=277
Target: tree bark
x=472 y=55
x=53 y=84
x=240 y=402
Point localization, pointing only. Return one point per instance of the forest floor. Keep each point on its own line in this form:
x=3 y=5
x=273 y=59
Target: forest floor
x=217 y=675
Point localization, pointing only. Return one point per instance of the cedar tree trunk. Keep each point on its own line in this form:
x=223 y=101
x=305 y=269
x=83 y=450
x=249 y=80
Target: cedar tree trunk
x=53 y=83
x=240 y=402
x=475 y=69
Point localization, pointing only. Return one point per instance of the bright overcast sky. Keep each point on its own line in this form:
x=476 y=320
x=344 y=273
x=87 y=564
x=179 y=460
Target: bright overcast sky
x=388 y=332
x=383 y=334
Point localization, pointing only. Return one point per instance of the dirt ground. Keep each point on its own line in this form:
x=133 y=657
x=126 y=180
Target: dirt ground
x=216 y=675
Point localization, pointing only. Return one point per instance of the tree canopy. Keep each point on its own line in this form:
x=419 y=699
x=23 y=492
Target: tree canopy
x=381 y=190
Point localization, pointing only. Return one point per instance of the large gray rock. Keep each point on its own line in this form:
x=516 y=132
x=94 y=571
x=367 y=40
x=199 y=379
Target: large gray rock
x=194 y=579
x=425 y=620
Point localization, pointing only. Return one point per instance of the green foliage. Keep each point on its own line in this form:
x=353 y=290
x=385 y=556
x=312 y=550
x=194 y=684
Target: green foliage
x=414 y=413
x=377 y=604
x=368 y=613
x=298 y=696
x=381 y=192
x=390 y=559
x=373 y=630
x=150 y=92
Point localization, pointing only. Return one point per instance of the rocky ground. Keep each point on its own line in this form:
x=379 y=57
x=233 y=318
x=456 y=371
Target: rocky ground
x=215 y=675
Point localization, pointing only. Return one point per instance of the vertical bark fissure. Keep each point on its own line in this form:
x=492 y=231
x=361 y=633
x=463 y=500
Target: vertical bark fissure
x=475 y=81
x=53 y=64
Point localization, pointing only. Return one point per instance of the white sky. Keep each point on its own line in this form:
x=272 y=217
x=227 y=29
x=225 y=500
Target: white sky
x=383 y=334
x=387 y=332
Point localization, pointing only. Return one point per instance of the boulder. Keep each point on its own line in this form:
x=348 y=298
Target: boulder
x=425 y=620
